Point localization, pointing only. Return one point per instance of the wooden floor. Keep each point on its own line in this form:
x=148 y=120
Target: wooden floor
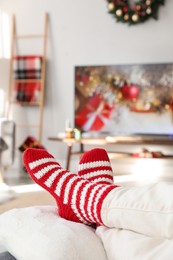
x=25 y=198
x=28 y=200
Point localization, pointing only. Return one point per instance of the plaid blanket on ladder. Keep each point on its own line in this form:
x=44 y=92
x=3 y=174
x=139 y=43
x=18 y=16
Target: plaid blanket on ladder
x=27 y=68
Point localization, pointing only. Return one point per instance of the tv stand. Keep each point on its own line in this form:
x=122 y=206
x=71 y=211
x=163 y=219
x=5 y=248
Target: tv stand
x=164 y=140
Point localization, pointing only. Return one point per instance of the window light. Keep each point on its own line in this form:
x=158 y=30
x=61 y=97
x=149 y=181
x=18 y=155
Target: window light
x=4 y=35
x=2 y=102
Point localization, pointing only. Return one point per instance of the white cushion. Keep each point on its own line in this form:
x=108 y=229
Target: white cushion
x=38 y=233
x=2 y=248
x=128 y=245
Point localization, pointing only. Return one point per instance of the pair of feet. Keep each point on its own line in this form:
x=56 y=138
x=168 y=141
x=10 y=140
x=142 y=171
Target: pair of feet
x=79 y=196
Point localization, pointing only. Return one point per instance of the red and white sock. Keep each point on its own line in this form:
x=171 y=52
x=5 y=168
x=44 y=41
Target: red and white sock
x=78 y=200
x=95 y=166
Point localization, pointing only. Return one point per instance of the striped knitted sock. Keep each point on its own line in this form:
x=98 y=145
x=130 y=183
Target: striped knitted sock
x=78 y=200
x=95 y=166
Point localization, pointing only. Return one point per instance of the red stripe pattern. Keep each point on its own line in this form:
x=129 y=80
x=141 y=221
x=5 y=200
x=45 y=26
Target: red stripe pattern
x=95 y=166
x=78 y=200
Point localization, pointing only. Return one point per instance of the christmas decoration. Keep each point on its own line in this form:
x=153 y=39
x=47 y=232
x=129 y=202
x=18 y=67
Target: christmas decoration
x=137 y=13
x=94 y=114
x=130 y=92
x=103 y=92
x=148 y=154
x=30 y=142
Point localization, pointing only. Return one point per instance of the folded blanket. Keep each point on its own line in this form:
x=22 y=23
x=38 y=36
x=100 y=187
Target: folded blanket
x=27 y=91
x=27 y=67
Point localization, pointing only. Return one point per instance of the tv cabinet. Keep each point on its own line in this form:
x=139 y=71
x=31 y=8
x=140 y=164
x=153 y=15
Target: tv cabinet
x=113 y=141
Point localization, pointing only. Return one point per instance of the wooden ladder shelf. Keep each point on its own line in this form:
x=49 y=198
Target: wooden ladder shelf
x=12 y=81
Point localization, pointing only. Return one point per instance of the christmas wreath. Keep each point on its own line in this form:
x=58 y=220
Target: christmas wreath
x=137 y=13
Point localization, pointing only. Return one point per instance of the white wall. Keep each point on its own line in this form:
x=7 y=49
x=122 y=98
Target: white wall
x=80 y=33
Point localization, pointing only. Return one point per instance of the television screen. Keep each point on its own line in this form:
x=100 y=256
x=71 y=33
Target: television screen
x=124 y=99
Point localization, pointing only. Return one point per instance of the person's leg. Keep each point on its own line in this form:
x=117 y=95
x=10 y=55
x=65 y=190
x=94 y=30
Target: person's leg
x=147 y=210
x=78 y=200
x=95 y=166
x=144 y=209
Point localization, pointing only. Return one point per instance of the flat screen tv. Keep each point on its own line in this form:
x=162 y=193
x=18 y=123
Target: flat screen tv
x=124 y=99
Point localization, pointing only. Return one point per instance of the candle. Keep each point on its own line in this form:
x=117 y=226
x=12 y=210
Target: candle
x=68 y=129
x=67 y=124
